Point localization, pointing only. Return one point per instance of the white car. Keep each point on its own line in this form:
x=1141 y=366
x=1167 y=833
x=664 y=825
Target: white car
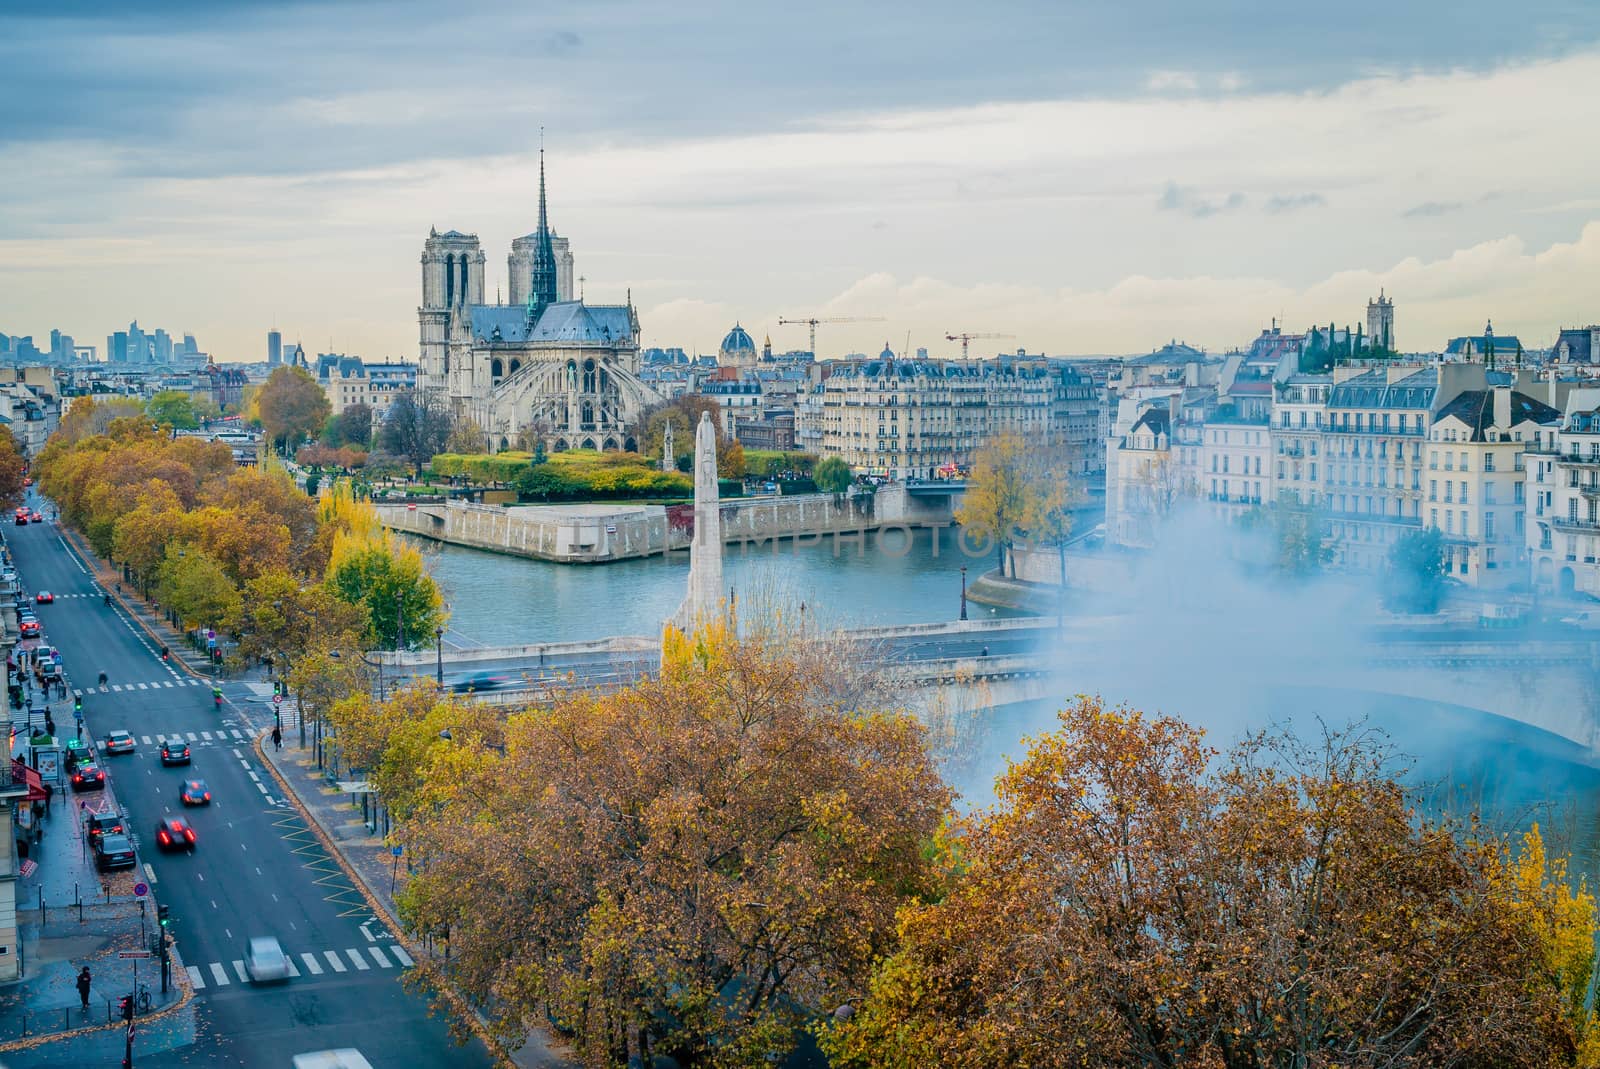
x=265 y=961
x=1586 y=620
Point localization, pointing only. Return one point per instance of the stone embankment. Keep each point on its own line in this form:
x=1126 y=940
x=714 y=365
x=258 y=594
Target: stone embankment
x=597 y=534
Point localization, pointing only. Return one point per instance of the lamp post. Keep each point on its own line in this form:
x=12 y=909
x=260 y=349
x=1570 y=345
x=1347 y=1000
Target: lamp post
x=963 y=592
x=399 y=622
x=438 y=663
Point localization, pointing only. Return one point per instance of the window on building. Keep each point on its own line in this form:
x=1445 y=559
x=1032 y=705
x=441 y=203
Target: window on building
x=1463 y=491
x=1517 y=522
x=1449 y=489
x=1488 y=494
x=1488 y=462
x=1433 y=517
x=1488 y=527
x=1449 y=522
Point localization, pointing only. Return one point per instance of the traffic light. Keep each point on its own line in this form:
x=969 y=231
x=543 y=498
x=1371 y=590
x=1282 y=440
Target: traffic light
x=77 y=703
x=125 y=1007
x=163 y=914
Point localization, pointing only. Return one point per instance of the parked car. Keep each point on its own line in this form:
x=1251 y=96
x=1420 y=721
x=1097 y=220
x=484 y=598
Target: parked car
x=114 y=852
x=28 y=627
x=265 y=961
x=89 y=777
x=105 y=824
x=77 y=753
x=1586 y=619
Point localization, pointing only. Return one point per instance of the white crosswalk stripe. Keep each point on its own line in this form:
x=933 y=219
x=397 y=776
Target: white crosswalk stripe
x=206 y=735
x=220 y=974
x=400 y=955
x=333 y=959
x=194 y=976
x=356 y=959
x=146 y=740
x=293 y=972
x=238 y=967
x=192 y=737
x=144 y=686
x=377 y=956
x=117 y=687
x=167 y=683
x=311 y=963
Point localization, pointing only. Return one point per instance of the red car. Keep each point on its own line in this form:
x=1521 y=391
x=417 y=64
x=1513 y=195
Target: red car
x=174 y=833
x=44 y=597
x=36 y=516
x=88 y=778
x=29 y=628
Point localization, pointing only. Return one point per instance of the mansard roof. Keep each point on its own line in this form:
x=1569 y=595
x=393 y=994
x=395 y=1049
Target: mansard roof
x=1373 y=390
x=1475 y=408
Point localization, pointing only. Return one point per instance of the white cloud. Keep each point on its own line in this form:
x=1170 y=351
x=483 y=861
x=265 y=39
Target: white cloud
x=1040 y=218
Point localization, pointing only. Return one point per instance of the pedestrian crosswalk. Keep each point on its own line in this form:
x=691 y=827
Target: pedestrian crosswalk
x=305 y=963
x=118 y=688
x=195 y=738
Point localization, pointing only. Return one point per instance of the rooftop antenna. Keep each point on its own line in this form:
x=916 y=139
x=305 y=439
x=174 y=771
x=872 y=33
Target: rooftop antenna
x=581 y=280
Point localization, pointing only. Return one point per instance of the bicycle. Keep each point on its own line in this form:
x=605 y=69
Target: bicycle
x=142 y=999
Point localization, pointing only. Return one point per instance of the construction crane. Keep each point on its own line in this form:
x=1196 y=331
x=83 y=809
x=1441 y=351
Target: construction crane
x=812 y=321
x=965 y=338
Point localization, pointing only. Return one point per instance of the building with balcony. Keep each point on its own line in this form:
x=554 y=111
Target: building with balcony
x=1299 y=406
x=1476 y=491
x=1563 y=500
x=907 y=418
x=348 y=381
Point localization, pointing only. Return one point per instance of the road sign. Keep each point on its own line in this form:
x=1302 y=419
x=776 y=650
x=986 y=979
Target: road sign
x=396 y=849
x=141 y=889
x=277 y=699
x=133 y=954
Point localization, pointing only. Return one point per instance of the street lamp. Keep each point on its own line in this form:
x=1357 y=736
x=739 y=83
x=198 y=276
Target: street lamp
x=399 y=622
x=963 y=592
x=438 y=664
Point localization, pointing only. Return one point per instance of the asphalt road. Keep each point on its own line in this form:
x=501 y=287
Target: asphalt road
x=256 y=869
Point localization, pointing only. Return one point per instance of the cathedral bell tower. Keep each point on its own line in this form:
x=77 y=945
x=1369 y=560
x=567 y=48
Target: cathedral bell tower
x=452 y=279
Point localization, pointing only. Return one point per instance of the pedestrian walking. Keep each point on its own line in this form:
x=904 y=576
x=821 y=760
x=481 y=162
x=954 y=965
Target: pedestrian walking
x=277 y=738
x=49 y=793
x=84 y=982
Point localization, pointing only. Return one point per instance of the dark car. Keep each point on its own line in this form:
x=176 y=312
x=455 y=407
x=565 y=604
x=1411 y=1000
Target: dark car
x=89 y=777
x=195 y=792
x=174 y=833
x=174 y=752
x=481 y=681
x=101 y=824
x=77 y=753
x=44 y=597
x=28 y=627
x=114 y=852
x=22 y=519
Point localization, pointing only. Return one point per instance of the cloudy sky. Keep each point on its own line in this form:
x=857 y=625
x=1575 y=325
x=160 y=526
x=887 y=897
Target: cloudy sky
x=1089 y=177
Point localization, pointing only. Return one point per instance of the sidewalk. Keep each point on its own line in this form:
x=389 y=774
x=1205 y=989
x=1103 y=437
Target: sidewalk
x=379 y=874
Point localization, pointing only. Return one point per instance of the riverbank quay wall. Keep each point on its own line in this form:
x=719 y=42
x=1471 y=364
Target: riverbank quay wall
x=592 y=534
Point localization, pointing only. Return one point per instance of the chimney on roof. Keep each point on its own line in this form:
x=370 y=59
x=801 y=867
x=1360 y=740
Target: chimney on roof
x=1502 y=408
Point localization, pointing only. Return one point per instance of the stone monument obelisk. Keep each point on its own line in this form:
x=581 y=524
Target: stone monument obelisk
x=669 y=460
x=704 y=599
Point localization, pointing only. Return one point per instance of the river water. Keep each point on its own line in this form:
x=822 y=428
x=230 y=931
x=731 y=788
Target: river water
x=1458 y=758
x=872 y=580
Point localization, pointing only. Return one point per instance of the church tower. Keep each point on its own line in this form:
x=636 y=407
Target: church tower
x=452 y=279
x=1380 y=322
x=542 y=273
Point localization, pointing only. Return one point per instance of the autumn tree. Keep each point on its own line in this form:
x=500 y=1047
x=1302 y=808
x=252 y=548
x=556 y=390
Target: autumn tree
x=730 y=459
x=292 y=406
x=353 y=426
x=999 y=494
x=831 y=475
x=197 y=587
x=87 y=417
x=466 y=438
x=173 y=408
x=1051 y=496
x=13 y=469
x=690 y=866
x=1415 y=579
x=395 y=589
x=684 y=415
x=1164 y=905
x=416 y=427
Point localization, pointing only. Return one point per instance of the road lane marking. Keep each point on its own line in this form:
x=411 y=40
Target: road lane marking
x=192 y=738
x=149 y=873
x=401 y=956
x=238 y=967
x=333 y=959
x=252 y=774
x=293 y=972
x=219 y=974
x=194 y=976
x=117 y=687
x=144 y=686
x=206 y=735
x=311 y=963
x=377 y=956
x=236 y=753
x=146 y=740
x=357 y=960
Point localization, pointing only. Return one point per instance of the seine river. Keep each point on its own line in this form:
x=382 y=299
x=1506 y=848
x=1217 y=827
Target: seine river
x=1459 y=758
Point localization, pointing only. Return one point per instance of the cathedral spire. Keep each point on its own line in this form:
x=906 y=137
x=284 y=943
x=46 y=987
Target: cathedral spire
x=542 y=277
